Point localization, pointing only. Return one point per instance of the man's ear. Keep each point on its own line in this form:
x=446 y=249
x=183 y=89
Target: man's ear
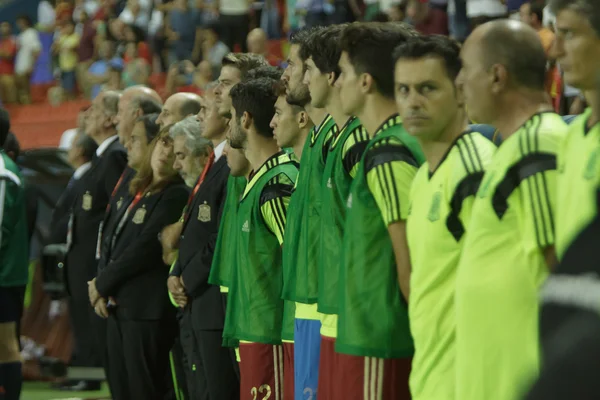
x=367 y=83
x=499 y=77
x=302 y=119
x=331 y=78
x=246 y=120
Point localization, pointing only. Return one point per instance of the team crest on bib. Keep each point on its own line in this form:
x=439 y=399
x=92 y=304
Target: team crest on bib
x=119 y=203
x=204 y=212
x=434 y=210
x=139 y=216
x=87 y=201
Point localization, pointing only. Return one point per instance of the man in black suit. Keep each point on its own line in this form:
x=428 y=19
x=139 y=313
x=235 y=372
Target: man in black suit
x=88 y=212
x=214 y=376
x=177 y=107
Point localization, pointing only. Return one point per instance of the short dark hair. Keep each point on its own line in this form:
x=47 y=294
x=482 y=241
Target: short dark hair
x=324 y=49
x=190 y=107
x=244 y=62
x=257 y=98
x=147 y=104
x=519 y=50
x=589 y=9
x=537 y=9
x=150 y=126
x=300 y=37
x=25 y=18
x=4 y=125
x=370 y=45
x=267 y=71
x=11 y=144
x=88 y=145
x=432 y=46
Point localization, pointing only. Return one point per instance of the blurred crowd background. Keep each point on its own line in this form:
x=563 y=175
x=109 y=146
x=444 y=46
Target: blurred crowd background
x=72 y=49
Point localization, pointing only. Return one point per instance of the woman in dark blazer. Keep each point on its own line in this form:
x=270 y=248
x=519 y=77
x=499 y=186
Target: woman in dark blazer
x=130 y=289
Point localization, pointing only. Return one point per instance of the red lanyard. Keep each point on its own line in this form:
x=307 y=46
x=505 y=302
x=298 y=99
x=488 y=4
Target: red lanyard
x=114 y=192
x=208 y=165
x=123 y=220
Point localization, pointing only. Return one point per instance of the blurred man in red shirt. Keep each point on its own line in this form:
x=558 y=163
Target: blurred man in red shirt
x=426 y=19
x=8 y=52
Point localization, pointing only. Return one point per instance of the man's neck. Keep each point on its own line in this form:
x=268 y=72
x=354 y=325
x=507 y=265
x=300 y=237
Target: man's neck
x=334 y=108
x=317 y=115
x=101 y=138
x=299 y=145
x=217 y=140
x=259 y=149
x=436 y=150
x=377 y=110
x=517 y=110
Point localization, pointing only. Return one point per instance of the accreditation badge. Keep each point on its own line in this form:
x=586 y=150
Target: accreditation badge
x=87 y=201
x=204 y=212
x=139 y=216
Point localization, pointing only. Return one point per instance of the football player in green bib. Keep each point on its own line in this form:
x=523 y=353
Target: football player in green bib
x=255 y=308
x=509 y=244
x=578 y=50
x=432 y=110
x=373 y=331
x=291 y=127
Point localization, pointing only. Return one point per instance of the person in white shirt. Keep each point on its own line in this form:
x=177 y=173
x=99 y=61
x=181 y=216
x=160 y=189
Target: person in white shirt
x=482 y=11
x=46 y=16
x=29 y=47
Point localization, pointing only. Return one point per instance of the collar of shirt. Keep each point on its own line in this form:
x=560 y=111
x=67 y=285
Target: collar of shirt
x=104 y=145
x=82 y=170
x=219 y=150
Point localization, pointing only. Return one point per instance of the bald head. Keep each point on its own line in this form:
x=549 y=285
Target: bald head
x=179 y=106
x=257 y=41
x=514 y=45
x=130 y=108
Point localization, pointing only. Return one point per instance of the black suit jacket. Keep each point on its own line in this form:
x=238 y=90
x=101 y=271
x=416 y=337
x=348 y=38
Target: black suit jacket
x=134 y=273
x=197 y=246
x=93 y=193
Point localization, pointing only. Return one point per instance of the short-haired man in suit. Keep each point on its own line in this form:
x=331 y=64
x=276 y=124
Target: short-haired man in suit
x=87 y=214
x=177 y=107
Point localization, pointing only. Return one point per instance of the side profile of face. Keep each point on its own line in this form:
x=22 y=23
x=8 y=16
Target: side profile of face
x=285 y=124
x=97 y=121
x=162 y=158
x=352 y=98
x=577 y=48
x=318 y=84
x=188 y=166
x=426 y=96
x=236 y=160
x=475 y=81
x=170 y=113
x=125 y=118
x=230 y=76
x=237 y=135
x=137 y=145
x=293 y=77
x=214 y=123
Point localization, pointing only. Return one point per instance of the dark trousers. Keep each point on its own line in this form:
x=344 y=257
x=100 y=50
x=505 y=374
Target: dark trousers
x=178 y=366
x=138 y=358
x=89 y=333
x=195 y=378
x=234 y=29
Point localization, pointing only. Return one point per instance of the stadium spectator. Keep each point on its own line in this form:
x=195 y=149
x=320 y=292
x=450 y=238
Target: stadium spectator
x=482 y=11
x=29 y=47
x=136 y=46
x=181 y=31
x=98 y=72
x=213 y=49
x=234 y=17
x=85 y=51
x=46 y=16
x=427 y=19
x=258 y=44
x=8 y=51
x=66 y=48
x=532 y=13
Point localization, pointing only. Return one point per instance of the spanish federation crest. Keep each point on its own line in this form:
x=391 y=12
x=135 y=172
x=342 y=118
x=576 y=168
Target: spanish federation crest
x=87 y=201
x=204 y=212
x=139 y=216
x=434 y=210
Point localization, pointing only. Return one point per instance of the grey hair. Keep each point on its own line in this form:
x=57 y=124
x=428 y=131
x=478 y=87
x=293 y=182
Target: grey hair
x=589 y=9
x=192 y=130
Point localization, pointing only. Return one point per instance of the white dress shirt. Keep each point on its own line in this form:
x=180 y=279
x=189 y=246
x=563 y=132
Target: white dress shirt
x=219 y=150
x=104 y=145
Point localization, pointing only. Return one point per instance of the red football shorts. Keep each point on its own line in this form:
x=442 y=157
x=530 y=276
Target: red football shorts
x=345 y=377
x=261 y=371
x=288 y=371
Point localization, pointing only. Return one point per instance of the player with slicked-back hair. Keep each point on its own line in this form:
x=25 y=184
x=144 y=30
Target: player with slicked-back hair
x=433 y=111
x=378 y=206
x=267 y=71
x=512 y=227
x=255 y=308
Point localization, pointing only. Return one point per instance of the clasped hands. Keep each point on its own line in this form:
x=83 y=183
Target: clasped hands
x=99 y=303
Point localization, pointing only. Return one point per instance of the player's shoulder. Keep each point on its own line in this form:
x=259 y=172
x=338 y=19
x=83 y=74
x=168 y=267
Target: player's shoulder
x=280 y=185
x=543 y=133
x=471 y=153
x=357 y=138
x=386 y=150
